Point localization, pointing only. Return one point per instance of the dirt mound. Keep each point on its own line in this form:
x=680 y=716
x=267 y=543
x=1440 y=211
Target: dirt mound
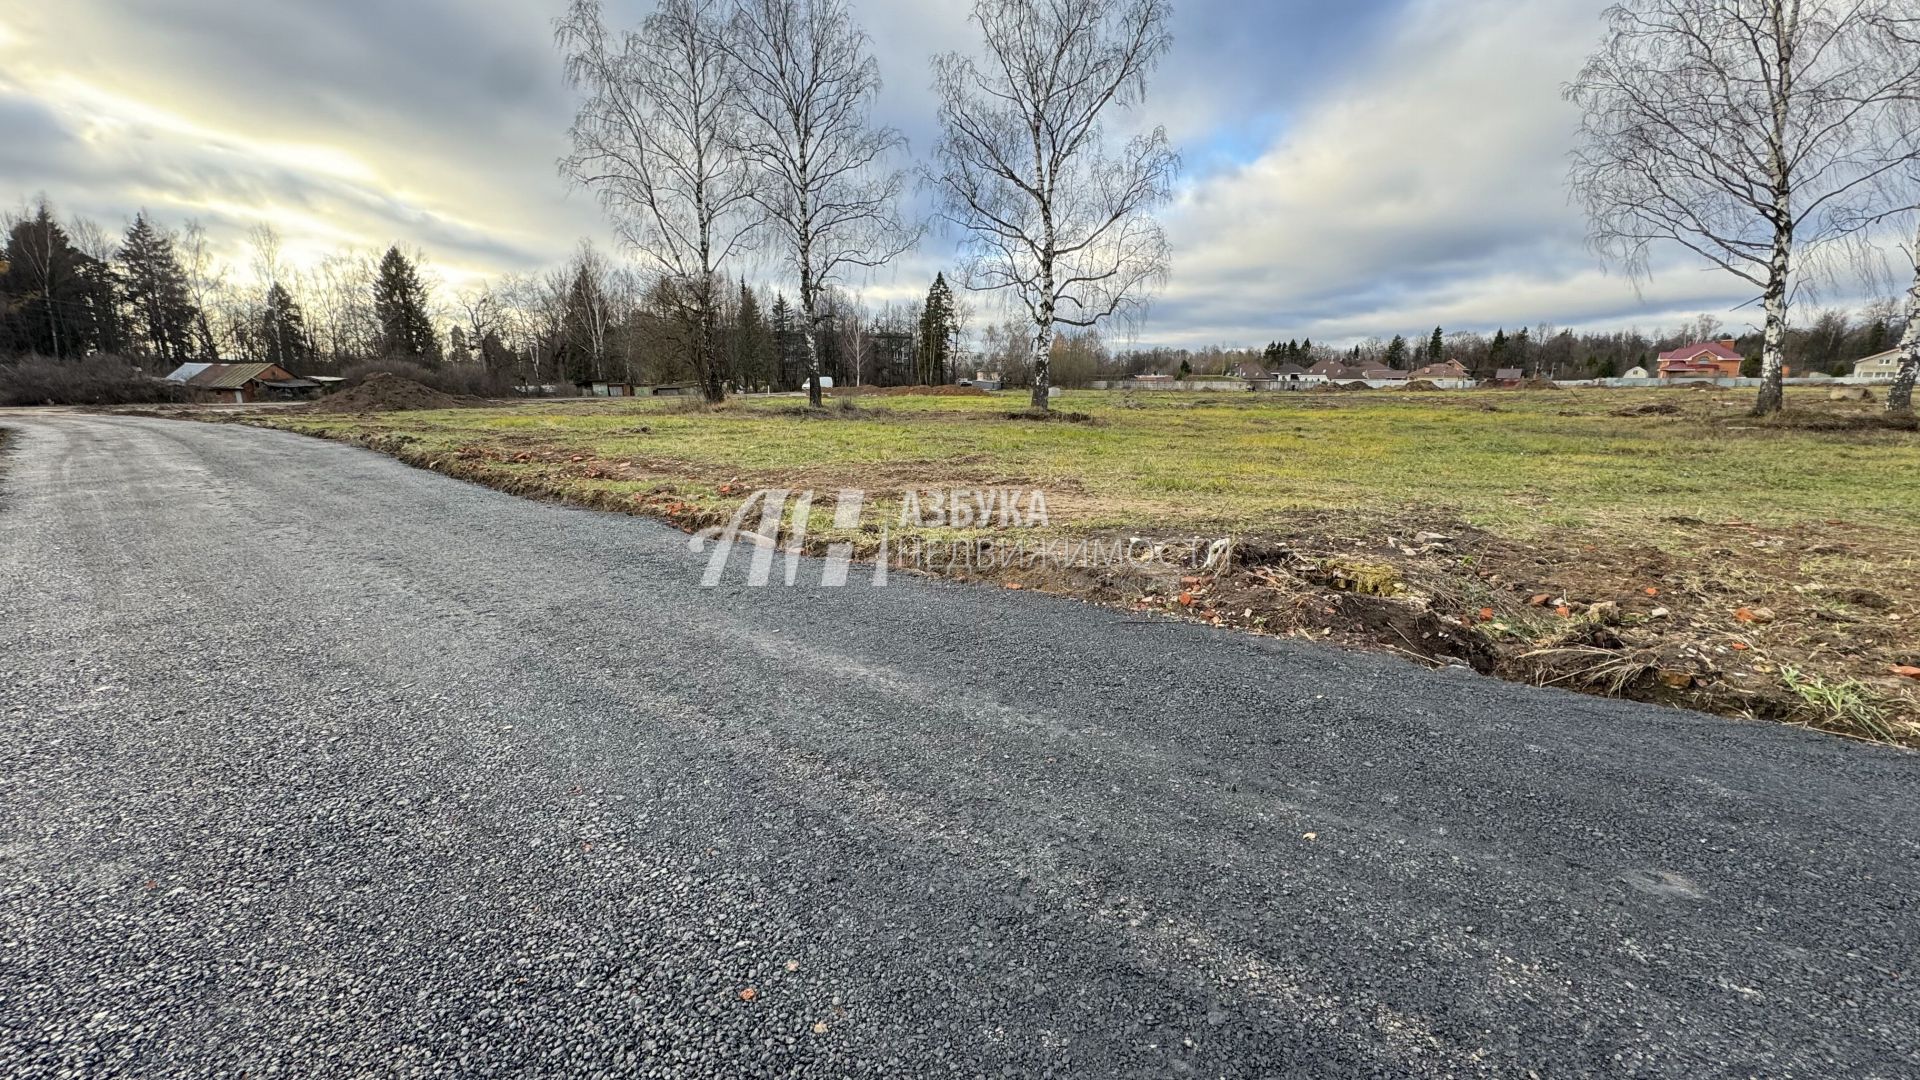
x=1421 y=386
x=1809 y=420
x=910 y=391
x=381 y=392
x=1537 y=384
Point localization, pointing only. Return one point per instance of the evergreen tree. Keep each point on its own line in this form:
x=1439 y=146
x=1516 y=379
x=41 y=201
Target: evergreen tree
x=400 y=305
x=1437 y=347
x=283 y=331
x=1397 y=353
x=1497 y=353
x=154 y=289
x=939 y=326
x=587 y=326
x=750 y=353
x=51 y=299
x=494 y=354
x=789 y=345
x=1876 y=338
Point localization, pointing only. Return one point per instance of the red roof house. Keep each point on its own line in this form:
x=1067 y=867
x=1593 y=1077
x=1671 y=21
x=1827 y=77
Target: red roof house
x=1703 y=360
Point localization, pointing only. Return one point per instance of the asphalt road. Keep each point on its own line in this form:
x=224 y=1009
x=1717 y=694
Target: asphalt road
x=317 y=765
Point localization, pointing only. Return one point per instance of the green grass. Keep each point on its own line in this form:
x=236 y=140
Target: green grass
x=1847 y=706
x=1544 y=461
x=1749 y=514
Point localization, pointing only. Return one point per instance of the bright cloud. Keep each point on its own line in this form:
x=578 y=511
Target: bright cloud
x=1373 y=167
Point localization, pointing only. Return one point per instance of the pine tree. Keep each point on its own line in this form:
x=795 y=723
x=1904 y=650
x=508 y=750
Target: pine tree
x=494 y=354
x=1437 y=347
x=1397 y=353
x=750 y=343
x=1497 y=352
x=400 y=305
x=283 y=331
x=54 y=299
x=938 y=328
x=788 y=345
x=154 y=289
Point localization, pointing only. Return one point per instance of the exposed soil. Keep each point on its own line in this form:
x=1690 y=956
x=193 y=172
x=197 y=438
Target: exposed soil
x=907 y=391
x=1725 y=629
x=1716 y=634
x=382 y=392
x=1878 y=420
x=1657 y=408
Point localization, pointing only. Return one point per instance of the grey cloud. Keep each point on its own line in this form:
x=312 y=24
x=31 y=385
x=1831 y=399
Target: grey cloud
x=1357 y=168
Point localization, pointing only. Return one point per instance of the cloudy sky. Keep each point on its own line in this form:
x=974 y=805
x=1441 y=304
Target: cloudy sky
x=1351 y=169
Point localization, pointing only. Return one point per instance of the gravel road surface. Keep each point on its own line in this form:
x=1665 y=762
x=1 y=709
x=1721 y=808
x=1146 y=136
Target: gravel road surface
x=317 y=765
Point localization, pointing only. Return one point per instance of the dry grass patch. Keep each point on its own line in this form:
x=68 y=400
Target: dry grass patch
x=1660 y=545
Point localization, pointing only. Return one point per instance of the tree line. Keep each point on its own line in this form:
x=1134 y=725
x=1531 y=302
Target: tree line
x=159 y=297
x=1777 y=140
x=713 y=133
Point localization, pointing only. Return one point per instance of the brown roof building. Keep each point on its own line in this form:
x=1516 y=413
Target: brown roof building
x=241 y=383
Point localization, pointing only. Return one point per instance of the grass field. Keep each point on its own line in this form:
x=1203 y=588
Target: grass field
x=1614 y=541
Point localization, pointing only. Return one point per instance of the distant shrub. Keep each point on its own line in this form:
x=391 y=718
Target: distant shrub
x=96 y=380
x=460 y=380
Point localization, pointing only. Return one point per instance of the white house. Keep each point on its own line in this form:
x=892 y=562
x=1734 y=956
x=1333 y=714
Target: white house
x=1637 y=373
x=1882 y=366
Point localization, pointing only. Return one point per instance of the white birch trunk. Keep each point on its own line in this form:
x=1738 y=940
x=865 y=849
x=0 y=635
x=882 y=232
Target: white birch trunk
x=1773 y=355
x=1900 y=398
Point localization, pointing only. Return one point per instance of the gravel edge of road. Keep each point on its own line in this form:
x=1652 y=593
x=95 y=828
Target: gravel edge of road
x=555 y=495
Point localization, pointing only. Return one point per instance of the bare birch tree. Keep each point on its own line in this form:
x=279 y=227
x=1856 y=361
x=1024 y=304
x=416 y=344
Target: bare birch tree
x=1900 y=397
x=1744 y=131
x=1050 y=213
x=1900 y=36
x=824 y=183
x=655 y=139
x=206 y=278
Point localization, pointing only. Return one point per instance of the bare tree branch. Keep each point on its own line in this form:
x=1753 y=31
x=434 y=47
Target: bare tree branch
x=1048 y=212
x=809 y=81
x=1753 y=133
x=655 y=141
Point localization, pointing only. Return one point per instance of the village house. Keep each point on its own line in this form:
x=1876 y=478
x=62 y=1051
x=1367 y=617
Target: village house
x=1292 y=375
x=239 y=384
x=1337 y=371
x=1451 y=370
x=1637 y=373
x=1884 y=365
x=1702 y=360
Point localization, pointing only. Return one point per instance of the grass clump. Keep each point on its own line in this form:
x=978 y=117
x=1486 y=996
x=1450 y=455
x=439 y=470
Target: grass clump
x=1847 y=706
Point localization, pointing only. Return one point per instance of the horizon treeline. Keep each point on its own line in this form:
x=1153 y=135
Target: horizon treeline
x=159 y=297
